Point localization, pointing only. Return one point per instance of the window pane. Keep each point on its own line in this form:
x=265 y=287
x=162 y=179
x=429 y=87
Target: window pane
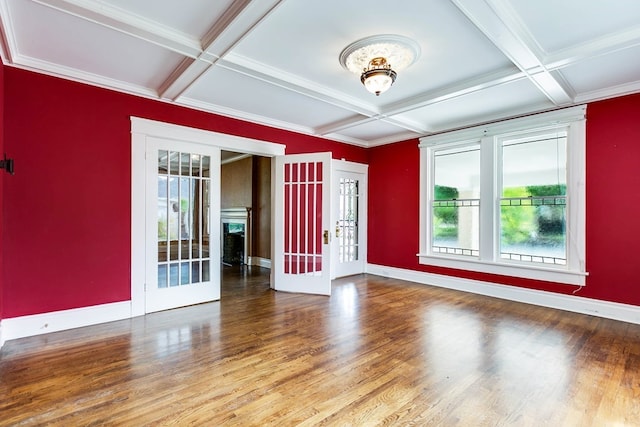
x=456 y=204
x=195 y=165
x=173 y=274
x=534 y=233
x=163 y=203
x=456 y=227
x=195 y=271
x=174 y=160
x=533 y=203
x=162 y=276
x=174 y=218
x=184 y=273
x=205 y=271
x=540 y=163
x=185 y=166
x=458 y=169
x=163 y=162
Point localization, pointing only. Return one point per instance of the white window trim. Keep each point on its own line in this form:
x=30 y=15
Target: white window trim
x=574 y=272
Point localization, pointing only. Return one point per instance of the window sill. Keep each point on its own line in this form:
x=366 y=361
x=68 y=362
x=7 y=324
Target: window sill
x=557 y=275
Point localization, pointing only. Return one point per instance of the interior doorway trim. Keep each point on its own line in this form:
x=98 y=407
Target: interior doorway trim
x=141 y=129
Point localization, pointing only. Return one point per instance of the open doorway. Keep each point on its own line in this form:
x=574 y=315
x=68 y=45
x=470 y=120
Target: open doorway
x=245 y=215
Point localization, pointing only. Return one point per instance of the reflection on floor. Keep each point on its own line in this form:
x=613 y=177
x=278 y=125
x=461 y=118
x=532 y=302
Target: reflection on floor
x=379 y=351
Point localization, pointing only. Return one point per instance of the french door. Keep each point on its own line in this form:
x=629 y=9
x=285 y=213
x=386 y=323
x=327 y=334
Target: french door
x=349 y=218
x=302 y=195
x=182 y=265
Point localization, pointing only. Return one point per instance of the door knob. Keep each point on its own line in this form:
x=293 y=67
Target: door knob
x=325 y=235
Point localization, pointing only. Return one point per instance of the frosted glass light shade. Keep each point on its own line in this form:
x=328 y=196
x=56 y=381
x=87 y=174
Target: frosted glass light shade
x=378 y=81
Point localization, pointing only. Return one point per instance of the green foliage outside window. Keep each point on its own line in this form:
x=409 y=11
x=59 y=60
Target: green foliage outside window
x=445 y=218
x=519 y=224
x=535 y=224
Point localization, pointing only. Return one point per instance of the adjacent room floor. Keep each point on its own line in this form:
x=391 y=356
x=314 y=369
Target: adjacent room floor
x=377 y=352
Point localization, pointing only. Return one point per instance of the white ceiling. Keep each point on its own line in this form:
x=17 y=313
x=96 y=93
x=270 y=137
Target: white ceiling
x=276 y=62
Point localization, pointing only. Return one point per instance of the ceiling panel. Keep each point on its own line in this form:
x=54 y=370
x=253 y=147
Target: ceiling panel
x=506 y=100
x=561 y=24
x=594 y=73
x=89 y=48
x=193 y=17
x=243 y=93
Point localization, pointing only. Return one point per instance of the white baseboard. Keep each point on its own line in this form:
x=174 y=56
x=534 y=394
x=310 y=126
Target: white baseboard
x=261 y=262
x=609 y=310
x=25 y=326
x=36 y=324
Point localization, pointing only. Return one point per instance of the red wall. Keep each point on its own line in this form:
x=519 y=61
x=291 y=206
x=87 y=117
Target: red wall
x=613 y=228
x=67 y=229
x=65 y=215
x=1 y=183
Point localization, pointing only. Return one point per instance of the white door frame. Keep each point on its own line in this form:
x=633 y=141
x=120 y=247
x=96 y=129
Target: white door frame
x=360 y=169
x=140 y=130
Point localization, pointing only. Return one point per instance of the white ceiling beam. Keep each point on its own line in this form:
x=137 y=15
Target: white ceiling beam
x=188 y=71
x=501 y=25
x=237 y=21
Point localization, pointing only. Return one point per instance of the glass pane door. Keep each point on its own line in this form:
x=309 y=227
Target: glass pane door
x=183 y=214
x=184 y=182
x=301 y=218
x=349 y=218
x=347 y=223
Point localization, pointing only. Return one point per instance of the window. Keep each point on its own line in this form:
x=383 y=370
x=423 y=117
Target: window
x=507 y=198
x=456 y=201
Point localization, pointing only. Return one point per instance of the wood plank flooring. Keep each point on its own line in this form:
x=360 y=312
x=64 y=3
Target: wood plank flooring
x=377 y=352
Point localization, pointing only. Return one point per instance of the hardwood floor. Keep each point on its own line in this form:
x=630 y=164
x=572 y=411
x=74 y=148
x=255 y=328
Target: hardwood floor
x=377 y=352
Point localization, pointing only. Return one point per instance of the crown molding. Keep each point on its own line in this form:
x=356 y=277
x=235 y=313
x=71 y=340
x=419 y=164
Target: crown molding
x=7 y=41
x=55 y=70
x=404 y=136
x=609 y=92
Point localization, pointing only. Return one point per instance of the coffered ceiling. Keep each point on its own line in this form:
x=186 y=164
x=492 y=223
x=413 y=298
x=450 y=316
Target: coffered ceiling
x=276 y=62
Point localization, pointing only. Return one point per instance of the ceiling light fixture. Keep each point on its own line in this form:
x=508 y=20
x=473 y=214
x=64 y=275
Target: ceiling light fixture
x=377 y=59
